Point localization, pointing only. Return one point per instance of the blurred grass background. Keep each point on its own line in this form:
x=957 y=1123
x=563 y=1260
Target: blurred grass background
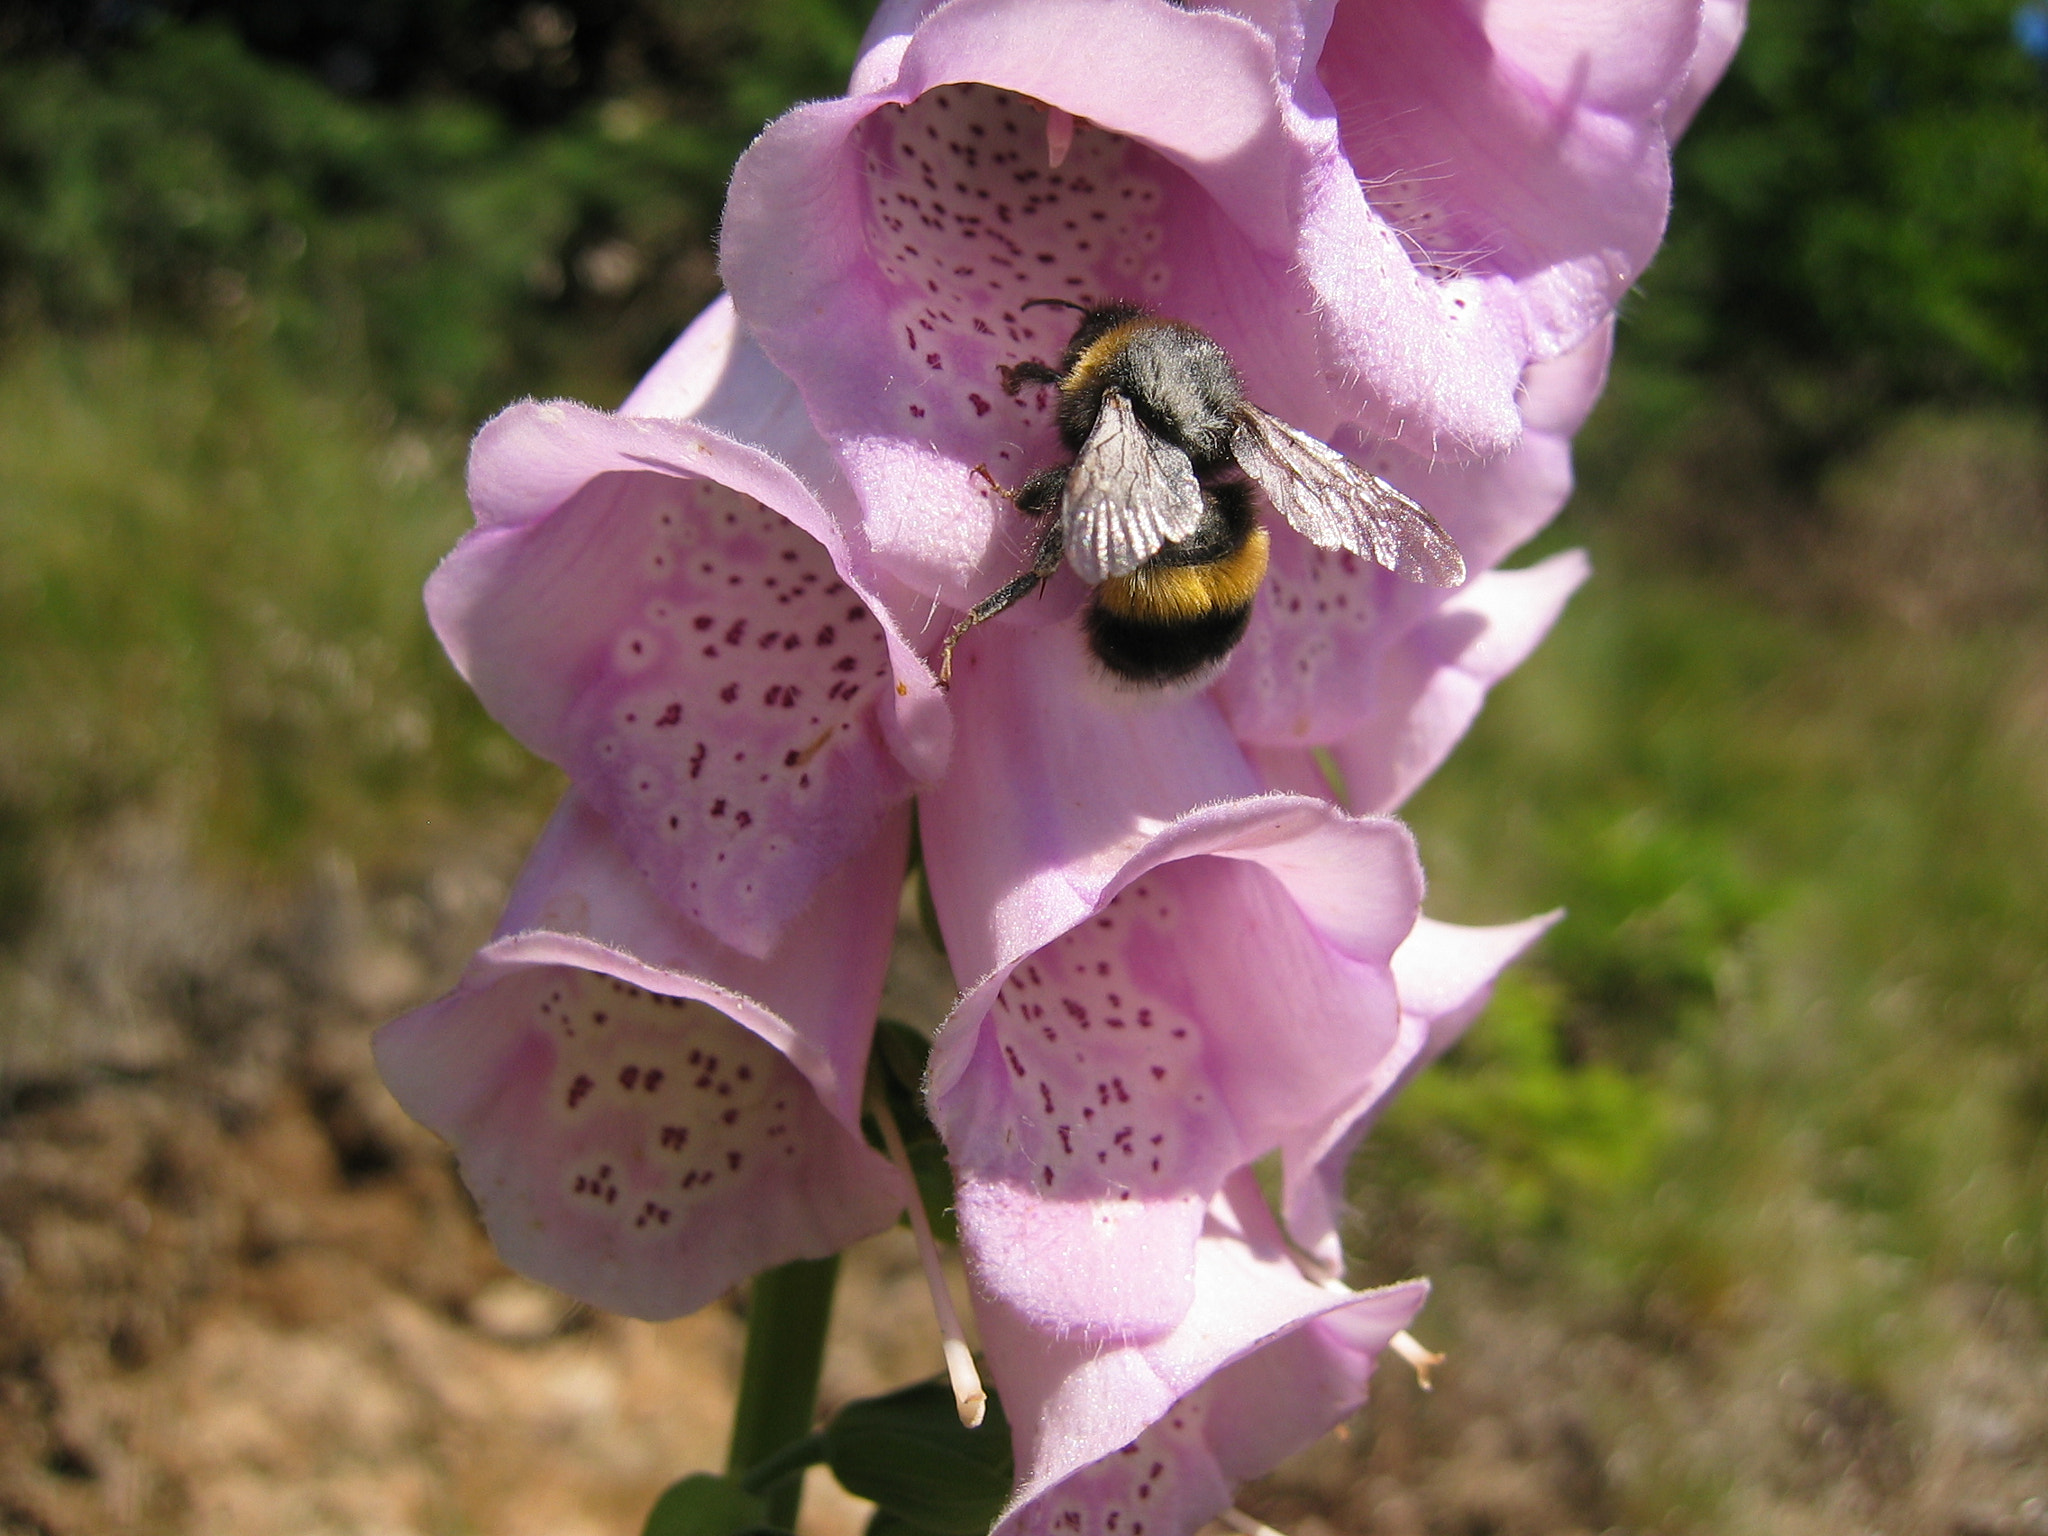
x=1778 y=1082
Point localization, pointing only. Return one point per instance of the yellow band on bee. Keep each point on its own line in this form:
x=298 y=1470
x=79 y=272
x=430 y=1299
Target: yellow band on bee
x=1170 y=594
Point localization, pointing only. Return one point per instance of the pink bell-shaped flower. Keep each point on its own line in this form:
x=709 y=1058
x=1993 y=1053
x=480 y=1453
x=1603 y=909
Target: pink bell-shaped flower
x=645 y=1115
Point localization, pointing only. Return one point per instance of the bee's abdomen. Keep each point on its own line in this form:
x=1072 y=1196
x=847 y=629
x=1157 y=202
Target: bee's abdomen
x=1166 y=623
x=1161 y=654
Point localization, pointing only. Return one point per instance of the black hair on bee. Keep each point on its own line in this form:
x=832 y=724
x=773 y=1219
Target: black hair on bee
x=1155 y=506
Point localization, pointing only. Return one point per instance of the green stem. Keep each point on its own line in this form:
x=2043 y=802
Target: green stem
x=786 y=1319
x=793 y=1457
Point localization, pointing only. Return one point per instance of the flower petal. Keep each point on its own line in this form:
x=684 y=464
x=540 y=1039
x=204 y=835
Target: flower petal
x=1519 y=146
x=1445 y=973
x=1100 y=1084
x=644 y=1116
x=1148 y=1438
x=658 y=609
x=1057 y=780
x=716 y=375
x=1721 y=25
x=1430 y=687
x=1492 y=508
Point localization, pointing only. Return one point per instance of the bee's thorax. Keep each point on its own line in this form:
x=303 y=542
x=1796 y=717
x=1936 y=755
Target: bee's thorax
x=1180 y=383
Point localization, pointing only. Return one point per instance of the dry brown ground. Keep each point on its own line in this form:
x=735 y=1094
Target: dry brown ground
x=241 y=1292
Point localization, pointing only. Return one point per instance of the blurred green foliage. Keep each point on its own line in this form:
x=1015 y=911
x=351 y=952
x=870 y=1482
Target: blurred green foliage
x=1773 y=1090
x=1861 y=221
x=435 y=242
x=209 y=584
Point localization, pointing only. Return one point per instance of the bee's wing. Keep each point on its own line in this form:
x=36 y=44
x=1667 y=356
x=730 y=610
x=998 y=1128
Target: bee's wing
x=1333 y=503
x=1128 y=493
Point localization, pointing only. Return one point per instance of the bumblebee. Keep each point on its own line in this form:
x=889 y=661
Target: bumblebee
x=1155 y=507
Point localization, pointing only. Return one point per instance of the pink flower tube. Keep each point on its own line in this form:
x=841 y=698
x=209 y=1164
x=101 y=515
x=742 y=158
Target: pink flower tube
x=667 y=612
x=645 y=1115
x=1388 y=674
x=1151 y=1437
x=1523 y=148
x=1152 y=1012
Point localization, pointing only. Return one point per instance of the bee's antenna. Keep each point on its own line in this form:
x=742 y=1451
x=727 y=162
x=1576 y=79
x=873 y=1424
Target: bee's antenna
x=1053 y=303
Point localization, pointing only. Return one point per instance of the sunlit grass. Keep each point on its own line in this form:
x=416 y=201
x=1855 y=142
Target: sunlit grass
x=1778 y=1083
x=209 y=602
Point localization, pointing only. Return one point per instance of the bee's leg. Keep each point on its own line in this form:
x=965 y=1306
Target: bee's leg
x=1042 y=493
x=1036 y=496
x=988 y=478
x=1052 y=547
x=1017 y=375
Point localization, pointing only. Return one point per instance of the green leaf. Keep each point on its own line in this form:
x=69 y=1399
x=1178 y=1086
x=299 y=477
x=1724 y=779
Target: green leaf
x=902 y=1053
x=934 y=1177
x=909 y=1453
x=787 y=1462
x=703 y=1504
x=885 y=1523
x=897 y=1067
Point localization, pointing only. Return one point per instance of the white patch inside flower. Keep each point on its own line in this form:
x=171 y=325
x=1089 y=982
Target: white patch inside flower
x=969 y=221
x=654 y=1104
